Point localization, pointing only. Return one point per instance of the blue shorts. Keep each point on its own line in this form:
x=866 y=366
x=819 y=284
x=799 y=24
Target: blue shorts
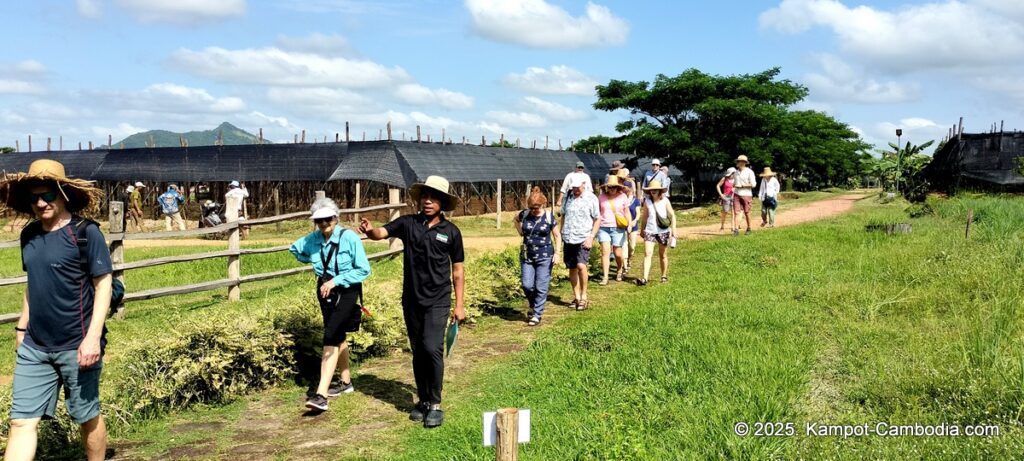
x=612 y=234
x=38 y=376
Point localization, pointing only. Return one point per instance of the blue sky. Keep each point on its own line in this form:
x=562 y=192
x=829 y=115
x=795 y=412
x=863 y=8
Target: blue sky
x=83 y=69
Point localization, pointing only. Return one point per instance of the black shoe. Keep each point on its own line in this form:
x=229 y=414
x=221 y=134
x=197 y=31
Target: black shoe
x=434 y=418
x=339 y=388
x=317 y=402
x=419 y=412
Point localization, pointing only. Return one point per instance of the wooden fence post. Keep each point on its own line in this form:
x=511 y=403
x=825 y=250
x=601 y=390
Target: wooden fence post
x=498 y=206
x=394 y=198
x=358 y=201
x=507 y=446
x=234 y=245
x=970 y=218
x=320 y=194
x=116 y=220
x=277 y=207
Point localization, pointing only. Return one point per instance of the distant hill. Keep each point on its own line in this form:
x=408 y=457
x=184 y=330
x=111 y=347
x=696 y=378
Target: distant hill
x=163 y=138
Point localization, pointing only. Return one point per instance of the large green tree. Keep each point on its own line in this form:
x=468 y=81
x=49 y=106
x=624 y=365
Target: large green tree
x=701 y=122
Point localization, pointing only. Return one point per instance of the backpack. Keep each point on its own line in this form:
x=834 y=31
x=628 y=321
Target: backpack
x=81 y=239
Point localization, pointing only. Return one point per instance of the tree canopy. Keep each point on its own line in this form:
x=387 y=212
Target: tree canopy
x=700 y=122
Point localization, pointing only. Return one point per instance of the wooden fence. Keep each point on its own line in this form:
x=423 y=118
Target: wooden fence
x=234 y=252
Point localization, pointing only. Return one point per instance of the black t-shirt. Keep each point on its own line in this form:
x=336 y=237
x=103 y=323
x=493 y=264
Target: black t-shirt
x=427 y=258
x=60 y=292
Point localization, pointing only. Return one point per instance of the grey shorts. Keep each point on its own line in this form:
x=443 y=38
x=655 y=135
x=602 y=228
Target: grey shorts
x=39 y=375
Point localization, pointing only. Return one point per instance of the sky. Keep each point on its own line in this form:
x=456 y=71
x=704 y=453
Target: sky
x=525 y=69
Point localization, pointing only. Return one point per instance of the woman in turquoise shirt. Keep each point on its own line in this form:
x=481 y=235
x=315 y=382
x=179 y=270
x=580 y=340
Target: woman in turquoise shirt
x=339 y=261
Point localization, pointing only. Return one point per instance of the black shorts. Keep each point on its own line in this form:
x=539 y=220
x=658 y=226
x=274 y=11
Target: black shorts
x=574 y=255
x=341 y=313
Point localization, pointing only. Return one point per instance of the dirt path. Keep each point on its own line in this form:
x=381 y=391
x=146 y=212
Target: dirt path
x=273 y=425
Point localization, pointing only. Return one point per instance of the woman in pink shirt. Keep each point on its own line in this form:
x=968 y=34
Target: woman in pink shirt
x=615 y=220
x=724 y=187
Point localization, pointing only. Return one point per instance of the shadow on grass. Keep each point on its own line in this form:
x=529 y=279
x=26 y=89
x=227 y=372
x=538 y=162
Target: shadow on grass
x=395 y=393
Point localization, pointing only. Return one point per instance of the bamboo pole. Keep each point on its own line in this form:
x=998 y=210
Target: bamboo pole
x=355 y=216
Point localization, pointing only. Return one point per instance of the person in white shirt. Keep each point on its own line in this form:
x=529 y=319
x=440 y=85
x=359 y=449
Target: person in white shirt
x=743 y=190
x=768 y=193
x=237 y=190
x=572 y=178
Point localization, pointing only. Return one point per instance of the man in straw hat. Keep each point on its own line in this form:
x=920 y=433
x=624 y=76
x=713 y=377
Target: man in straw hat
x=432 y=263
x=768 y=193
x=743 y=190
x=60 y=334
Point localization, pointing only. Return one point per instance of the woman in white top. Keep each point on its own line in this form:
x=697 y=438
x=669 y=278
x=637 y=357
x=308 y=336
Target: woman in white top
x=768 y=193
x=659 y=223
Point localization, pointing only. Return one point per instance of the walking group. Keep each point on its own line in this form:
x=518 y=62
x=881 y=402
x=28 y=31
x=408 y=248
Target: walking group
x=736 y=195
x=172 y=202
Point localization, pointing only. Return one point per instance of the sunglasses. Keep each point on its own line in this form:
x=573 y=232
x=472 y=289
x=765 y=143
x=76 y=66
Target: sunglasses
x=48 y=196
x=323 y=220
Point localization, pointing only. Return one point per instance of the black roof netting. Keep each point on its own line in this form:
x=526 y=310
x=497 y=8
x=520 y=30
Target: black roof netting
x=373 y=161
x=991 y=159
x=77 y=163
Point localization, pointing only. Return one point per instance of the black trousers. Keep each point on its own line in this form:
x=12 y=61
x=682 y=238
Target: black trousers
x=425 y=326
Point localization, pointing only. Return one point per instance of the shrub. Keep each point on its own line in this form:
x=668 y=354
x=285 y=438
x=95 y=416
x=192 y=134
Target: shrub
x=790 y=195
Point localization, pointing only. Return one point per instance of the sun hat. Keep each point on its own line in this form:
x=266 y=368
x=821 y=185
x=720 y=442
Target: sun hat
x=767 y=172
x=580 y=165
x=80 y=195
x=655 y=162
x=233 y=184
x=742 y=158
x=613 y=181
x=130 y=189
x=655 y=184
x=139 y=184
x=323 y=208
x=438 y=184
x=731 y=171
x=622 y=173
x=618 y=164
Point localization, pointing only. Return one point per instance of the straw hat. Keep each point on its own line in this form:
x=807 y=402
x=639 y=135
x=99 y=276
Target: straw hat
x=79 y=194
x=622 y=173
x=438 y=184
x=767 y=172
x=654 y=185
x=731 y=171
x=613 y=181
x=742 y=158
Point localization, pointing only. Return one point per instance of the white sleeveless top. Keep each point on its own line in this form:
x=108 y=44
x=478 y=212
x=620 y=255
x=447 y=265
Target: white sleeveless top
x=651 y=227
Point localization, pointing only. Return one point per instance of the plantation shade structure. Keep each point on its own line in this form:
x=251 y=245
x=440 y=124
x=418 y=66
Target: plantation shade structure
x=988 y=161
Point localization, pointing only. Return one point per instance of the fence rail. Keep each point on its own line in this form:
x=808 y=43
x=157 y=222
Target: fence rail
x=117 y=236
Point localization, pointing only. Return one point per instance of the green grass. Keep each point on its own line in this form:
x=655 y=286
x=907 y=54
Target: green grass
x=817 y=323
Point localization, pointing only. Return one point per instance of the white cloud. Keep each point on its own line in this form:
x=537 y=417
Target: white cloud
x=916 y=130
x=517 y=119
x=186 y=12
x=554 y=111
x=121 y=131
x=22 y=77
x=273 y=66
x=19 y=87
x=539 y=24
x=838 y=81
x=28 y=68
x=321 y=101
x=950 y=34
x=416 y=94
x=11 y=118
x=173 y=98
x=556 y=80
x=316 y=43
x=88 y=8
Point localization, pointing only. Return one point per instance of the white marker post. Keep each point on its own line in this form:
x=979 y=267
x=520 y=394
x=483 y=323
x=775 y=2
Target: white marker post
x=506 y=428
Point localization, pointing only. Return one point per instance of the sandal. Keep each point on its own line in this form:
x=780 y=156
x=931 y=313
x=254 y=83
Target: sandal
x=618 y=278
x=603 y=282
x=534 y=321
x=574 y=304
x=664 y=279
x=641 y=282
x=583 y=304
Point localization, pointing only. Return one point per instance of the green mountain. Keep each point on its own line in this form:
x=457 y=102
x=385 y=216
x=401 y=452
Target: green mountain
x=232 y=135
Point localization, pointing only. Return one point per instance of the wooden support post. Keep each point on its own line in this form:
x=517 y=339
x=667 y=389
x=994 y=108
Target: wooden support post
x=346 y=132
x=17 y=145
x=277 y=206
x=320 y=194
x=110 y=141
x=303 y=136
x=483 y=140
x=380 y=134
x=295 y=139
x=261 y=136
x=389 y=130
x=507 y=445
x=359 y=191
x=418 y=138
x=960 y=129
x=30 y=143
x=234 y=245
x=442 y=135
x=970 y=219
x=90 y=145
x=61 y=141
x=394 y=198
x=79 y=145
x=501 y=140
x=553 y=197
x=497 y=199
x=545 y=143
x=116 y=220
x=337 y=137
x=364 y=135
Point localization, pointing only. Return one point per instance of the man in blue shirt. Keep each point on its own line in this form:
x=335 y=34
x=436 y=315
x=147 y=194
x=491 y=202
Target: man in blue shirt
x=60 y=333
x=170 y=203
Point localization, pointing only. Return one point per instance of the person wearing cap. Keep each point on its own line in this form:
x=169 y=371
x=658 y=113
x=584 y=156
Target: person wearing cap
x=170 y=205
x=135 y=206
x=576 y=175
x=768 y=193
x=725 y=193
x=615 y=222
x=60 y=335
x=743 y=190
x=659 y=221
x=580 y=223
x=340 y=264
x=432 y=263
x=652 y=174
x=238 y=191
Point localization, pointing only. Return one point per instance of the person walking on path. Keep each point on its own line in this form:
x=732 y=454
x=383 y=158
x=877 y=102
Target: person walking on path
x=652 y=174
x=538 y=253
x=629 y=249
x=580 y=222
x=579 y=174
x=666 y=181
x=432 y=263
x=60 y=335
x=236 y=190
x=743 y=191
x=135 y=206
x=659 y=228
x=340 y=264
x=170 y=204
x=768 y=193
x=615 y=221
x=725 y=195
